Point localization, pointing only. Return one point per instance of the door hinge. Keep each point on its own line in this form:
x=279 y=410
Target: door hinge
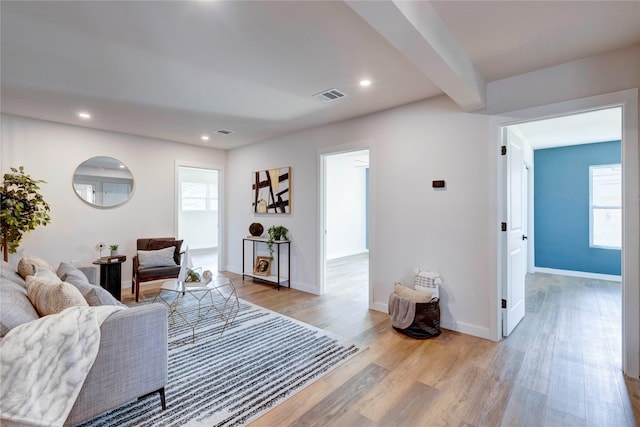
x=503 y=226
x=504 y=303
x=503 y=150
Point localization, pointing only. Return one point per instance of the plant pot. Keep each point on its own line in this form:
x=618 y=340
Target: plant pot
x=114 y=252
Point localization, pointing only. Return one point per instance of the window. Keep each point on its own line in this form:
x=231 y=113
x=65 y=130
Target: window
x=199 y=196
x=605 y=206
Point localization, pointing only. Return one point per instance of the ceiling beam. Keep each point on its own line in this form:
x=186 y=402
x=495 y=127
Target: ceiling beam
x=418 y=32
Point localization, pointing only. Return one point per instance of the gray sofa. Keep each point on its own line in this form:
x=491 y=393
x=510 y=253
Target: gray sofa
x=132 y=360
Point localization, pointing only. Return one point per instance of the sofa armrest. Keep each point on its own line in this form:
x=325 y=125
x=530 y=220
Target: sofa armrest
x=132 y=361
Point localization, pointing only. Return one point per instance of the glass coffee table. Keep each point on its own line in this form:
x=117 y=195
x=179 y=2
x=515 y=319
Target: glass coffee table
x=217 y=296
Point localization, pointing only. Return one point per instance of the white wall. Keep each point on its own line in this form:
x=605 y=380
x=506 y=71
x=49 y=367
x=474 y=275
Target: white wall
x=453 y=231
x=414 y=225
x=52 y=151
x=346 y=205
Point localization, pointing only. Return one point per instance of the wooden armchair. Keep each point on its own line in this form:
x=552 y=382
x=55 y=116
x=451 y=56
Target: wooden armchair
x=154 y=273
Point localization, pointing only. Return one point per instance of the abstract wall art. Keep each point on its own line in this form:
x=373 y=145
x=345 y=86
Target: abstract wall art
x=271 y=190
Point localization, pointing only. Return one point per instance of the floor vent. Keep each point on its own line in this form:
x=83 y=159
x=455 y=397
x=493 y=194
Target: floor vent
x=224 y=131
x=329 y=95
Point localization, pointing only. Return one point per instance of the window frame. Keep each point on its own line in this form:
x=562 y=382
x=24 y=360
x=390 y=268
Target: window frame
x=210 y=202
x=593 y=207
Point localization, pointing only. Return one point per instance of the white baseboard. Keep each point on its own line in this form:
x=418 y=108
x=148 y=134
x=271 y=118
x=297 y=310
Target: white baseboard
x=466 y=328
x=461 y=327
x=583 y=274
x=379 y=306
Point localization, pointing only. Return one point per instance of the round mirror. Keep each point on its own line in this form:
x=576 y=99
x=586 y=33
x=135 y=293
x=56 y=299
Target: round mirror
x=103 y=182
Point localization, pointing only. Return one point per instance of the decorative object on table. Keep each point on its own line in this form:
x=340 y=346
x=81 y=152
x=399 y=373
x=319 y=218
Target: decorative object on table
x=272 y=191
x=23 y=209
x=256 y=229
x=193 y=275
x=114 y=249
x=207 y=276
x=259 y=337
x=276 y=232
x=262 y=266
x=100 y=247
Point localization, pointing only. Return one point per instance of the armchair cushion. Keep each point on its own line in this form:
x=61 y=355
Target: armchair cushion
x=146 y=274
x=156 y=258
x=161 y=243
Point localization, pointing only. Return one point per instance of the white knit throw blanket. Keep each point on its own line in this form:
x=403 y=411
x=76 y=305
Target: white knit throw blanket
x=44 y=363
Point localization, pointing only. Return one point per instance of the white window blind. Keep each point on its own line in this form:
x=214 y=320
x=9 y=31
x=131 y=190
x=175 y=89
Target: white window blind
x=605 y=206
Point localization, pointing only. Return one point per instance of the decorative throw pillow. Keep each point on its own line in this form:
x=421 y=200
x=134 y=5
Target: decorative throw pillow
x=15 y=307
x=50 y=297
x=406 y=292
x=7 y=271
x=27 y=266
x=155 y=244
x=160 y=258
x=68 y=271
x=94 y=295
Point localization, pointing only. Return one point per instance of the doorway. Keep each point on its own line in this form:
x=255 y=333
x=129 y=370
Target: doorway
x=591 y=137
x=199 y=215
x=345 y=260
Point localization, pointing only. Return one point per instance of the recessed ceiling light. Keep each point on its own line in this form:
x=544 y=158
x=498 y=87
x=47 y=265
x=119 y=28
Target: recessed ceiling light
x=205 y=137
x=121 y=166
x=84 y=115
x=365 y=83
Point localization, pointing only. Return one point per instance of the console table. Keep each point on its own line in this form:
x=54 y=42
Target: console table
x=111 y=274
x=278 y=278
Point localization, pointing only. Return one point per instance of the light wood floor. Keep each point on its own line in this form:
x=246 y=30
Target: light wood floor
x=560 y=367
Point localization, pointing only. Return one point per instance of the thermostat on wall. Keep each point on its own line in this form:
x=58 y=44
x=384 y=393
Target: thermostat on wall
x=438 y=183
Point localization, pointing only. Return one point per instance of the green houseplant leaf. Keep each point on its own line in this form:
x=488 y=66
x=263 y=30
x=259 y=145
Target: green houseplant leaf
x=276 y=232
x=22 y=209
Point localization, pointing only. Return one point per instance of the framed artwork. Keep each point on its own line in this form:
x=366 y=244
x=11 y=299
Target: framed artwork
x=271 y=190
x=262 y=266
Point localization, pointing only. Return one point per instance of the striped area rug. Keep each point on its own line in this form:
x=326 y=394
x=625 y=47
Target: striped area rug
x=260 y=360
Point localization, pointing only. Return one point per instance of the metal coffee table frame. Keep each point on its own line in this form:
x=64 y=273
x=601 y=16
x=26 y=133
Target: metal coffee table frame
x=227 y=307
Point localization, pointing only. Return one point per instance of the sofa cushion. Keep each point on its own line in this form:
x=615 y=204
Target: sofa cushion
x=157 y=258
x=67 y=271
x=15 y=307
x=28 y=265
x=50 y=296
x=94 y=295
x=406 y=292
x=154 y=244
x=7 y=271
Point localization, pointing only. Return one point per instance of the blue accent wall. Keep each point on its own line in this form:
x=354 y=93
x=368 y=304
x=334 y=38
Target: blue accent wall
x=561 y=208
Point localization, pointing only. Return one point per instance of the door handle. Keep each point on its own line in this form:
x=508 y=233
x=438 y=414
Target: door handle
x=524 y=237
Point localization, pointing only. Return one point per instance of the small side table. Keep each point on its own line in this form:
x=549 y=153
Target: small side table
x=111 y=274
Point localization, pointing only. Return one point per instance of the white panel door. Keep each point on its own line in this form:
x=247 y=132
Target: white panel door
x=516 y=260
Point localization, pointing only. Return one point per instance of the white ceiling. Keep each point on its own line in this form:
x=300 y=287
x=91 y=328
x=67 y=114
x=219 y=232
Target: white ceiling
x=583 y=128
x=178 y=69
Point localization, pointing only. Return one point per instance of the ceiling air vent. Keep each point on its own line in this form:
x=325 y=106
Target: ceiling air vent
x=329 y=95
x=224 y=131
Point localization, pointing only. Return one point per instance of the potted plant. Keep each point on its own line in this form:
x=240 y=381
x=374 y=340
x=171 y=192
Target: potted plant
x=22 y=209
x=276 y=232
x=114 y=249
